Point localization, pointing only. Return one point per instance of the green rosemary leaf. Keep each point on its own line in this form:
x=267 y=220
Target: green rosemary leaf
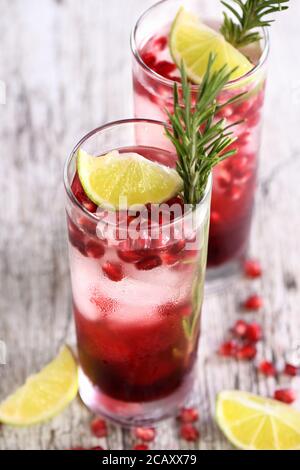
x=249 y=14
x=200 y=141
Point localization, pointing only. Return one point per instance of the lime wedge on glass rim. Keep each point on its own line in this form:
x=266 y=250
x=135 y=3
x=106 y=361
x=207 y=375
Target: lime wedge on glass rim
x=120 y=180
x=251 y=422
x=44 y=394
x=192 y=41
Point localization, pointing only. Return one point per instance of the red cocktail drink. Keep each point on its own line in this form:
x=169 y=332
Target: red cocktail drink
x=234 y=180
x=137 y=300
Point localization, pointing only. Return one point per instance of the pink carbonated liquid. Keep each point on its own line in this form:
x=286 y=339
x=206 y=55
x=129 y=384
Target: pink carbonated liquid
x=136 y=304
x=234 y=180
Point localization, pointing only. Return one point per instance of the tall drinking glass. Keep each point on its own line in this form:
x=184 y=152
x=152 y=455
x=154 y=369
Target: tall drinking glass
x=137 y=288
x=234 y=180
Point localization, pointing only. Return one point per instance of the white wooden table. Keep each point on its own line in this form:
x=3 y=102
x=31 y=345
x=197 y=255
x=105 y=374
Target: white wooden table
x=67 y=69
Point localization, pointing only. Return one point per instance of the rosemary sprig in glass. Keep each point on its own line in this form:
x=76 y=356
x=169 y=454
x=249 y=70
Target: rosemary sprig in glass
x=201 y=141
x=249 y=15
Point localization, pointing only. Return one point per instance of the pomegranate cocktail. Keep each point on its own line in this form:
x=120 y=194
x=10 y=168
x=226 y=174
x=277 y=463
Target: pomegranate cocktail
x=137 y=276
x=168 y=35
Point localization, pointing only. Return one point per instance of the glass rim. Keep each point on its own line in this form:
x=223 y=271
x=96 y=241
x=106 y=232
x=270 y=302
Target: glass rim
x=166 y=81
x=93 y=216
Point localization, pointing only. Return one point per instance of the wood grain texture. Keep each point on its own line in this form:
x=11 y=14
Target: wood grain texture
x=67 y=69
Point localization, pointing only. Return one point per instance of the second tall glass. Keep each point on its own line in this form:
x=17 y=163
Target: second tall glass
x=234 y=180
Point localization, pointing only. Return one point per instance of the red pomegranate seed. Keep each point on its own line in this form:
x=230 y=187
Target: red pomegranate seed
x=246 y=352
x=291 y=370
x=96 y=448
x=215 y=217
x=228 y=349
x=94 y=249
x=129 y=256
x=165 y=68
x=252 y=268
x=286 y=395
x=240 y=328
x=177 y=247
x=189 y=432
x=140 y=447
x=254 y=332
x=98 y=427
x=267 y=368
x=253 y=120
x=113 y=271
x=80 y=195
x=149 y=59
x=149 y=263
x=145 y=434
x=254 y=302
x=188 y=415
x=161 y=42
x=169 y=258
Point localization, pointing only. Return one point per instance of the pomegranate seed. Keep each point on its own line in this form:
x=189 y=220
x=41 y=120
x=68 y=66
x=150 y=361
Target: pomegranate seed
x=80 y=195
x=254 y=332
x=189 y=432
x=98 y=427
x=243 y=108
x=246 y=352
x=140 y=447
x=177 y=247
x=129 y=256
x=76 y=238
x=113 y=271
x=94 y=249
x=267 y=368
x=253 y=120
x=96 y=448
x=286 y=395
x=240 y=328
x=188 y=415
x=169 y=259
x=149 y=263
x=164 y=68
x=224 y=179
x=161 y=42
x=291 y=370
x=145 y=434
x=215 y=217
x=254 y=302
x=252 y=269
x=228 y=349
x=149 y=59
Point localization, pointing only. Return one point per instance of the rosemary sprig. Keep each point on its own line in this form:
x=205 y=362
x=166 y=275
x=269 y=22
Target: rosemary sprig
x=201 y=141
x=249 y=14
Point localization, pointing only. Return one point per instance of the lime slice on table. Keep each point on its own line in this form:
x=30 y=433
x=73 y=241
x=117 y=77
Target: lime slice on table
x=44 y=394
x=251 y=422
x=109 y=178
x=191 y=41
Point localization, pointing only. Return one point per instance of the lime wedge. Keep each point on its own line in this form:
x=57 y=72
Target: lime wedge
x=191 y=41
x=43 y=395
x=123 y=180
x=251 y=422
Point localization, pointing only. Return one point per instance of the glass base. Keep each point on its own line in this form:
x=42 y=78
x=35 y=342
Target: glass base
x=129 y=413
x=219 y=278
